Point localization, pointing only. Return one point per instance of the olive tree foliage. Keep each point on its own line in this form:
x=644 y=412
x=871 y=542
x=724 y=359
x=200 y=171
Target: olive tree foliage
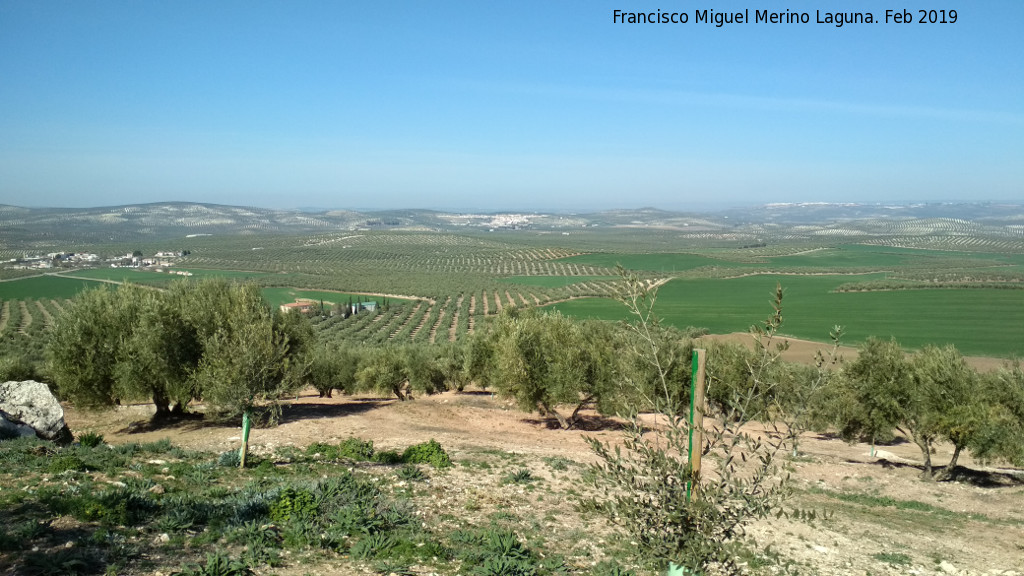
x=86 y=345
x=160 y=350
x=1000 y=435
x=693 y=519
x=869 y=401
x=929 y=396
x=544 y=359
x=212 y=340
x=382 y=369
x=334 y=368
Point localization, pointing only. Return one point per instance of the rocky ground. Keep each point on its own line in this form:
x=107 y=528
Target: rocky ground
x=881 y=518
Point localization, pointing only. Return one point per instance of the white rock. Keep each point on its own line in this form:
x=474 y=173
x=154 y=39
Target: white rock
x=947 y=567
x=32 y=404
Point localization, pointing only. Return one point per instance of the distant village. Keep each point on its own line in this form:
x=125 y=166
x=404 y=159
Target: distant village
x=136 y=259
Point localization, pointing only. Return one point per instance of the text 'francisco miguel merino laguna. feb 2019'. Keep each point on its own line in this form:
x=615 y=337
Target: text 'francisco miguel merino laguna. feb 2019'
x=837 y=19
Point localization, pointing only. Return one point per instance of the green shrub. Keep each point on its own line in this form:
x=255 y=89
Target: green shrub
x=291 y=504
x=388 y=457
x=427 y=453
x=66 y=462
x=356 y=449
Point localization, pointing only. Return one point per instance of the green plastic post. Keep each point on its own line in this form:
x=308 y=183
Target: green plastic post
x=673 y=568
x=693 y=415
x=246 y=425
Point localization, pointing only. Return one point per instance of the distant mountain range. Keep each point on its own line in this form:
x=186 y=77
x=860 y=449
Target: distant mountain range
x=164 y=220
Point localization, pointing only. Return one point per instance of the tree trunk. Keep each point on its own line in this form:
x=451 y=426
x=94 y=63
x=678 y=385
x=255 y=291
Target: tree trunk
x=574 y=419
x=926 y=449
x=163 y=404
x=562 y=422
x=952 y=463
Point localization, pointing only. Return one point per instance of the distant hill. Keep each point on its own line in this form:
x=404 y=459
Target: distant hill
x=166 y=220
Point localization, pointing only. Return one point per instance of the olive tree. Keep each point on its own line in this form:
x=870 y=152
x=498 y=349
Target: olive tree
x=333 y=368
x=85 y=346
x=214 y=340
x=694 y=520
x=544 y=359
x=873 y=392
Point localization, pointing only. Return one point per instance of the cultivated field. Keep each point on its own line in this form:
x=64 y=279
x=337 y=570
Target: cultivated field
x=974 y=300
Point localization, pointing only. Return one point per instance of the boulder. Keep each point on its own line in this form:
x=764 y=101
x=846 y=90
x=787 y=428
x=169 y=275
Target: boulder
x=31 y=404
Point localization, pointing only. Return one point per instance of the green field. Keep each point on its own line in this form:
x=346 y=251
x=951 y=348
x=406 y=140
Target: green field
x=977 y=321
x=828 y=258
x=43 y=287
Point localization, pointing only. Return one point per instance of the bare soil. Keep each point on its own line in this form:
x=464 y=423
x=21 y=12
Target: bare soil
x=883 y=519
x=804 y=351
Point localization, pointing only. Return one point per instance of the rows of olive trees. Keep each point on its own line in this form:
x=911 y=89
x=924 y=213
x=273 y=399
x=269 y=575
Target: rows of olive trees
x=928 y=396
x=214 y=341
x=221 y=343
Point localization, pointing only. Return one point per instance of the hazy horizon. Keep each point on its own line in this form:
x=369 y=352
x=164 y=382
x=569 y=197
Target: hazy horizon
x=491 y=106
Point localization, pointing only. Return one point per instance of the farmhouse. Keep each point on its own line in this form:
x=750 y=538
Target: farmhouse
x=297 y=306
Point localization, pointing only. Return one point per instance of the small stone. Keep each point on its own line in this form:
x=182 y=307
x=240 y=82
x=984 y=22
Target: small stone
x=158 y=489
x=947 y=567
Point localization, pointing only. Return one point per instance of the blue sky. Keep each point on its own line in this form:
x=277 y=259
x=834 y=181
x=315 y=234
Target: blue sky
x=503 y=104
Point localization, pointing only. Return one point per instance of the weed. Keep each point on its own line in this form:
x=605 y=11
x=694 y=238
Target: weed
x=558 y=463
x=610 y=568
x=372 y=546
x=521 y=476
x=67 y=462
x=411 y=473
x=502 y=566
x=90 y=439
x=162 y=446
x=427 y=453
x=65 y=562
x=217 y=564
x=229 y=459
x=893 y=559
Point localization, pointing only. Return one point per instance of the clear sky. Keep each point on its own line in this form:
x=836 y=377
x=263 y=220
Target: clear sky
x=504 y=104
